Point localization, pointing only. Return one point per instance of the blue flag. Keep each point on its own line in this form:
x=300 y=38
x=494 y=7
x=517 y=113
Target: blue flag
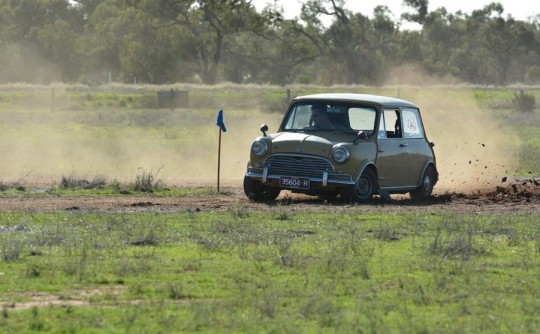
x=220 y=122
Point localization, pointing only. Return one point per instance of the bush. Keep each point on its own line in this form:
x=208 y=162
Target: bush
x=74 y=182
x=147 y=181
x=524 y=102
x=533 y=75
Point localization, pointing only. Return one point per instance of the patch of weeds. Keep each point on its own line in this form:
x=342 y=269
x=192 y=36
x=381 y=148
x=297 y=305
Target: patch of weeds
x=176 y=291
x=386 y=233
x=238 y=210
x=36 y=323
x=141 y=234
x=147 y=240
x=281 y=215
x=457 y=239
x=33 y=271
x=286 y=256
x=268 y=303
x=191 y=265
x=212 y=243
x=147 y=182
x=76 y=266
x=74 y=182
x=320 y=308
x=11 y=247
x=523 y=102
x=351 y=253
x=7 y=187
x=536 y=238
x=138 y=265
x=119 y=187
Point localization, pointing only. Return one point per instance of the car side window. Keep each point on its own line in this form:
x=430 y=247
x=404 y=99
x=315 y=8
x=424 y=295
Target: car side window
x=390 y=126
x=412 y=125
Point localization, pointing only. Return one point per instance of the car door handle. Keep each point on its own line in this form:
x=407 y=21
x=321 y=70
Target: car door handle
x=403 y=145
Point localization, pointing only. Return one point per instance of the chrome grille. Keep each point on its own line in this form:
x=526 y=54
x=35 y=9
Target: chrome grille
x=299 y=165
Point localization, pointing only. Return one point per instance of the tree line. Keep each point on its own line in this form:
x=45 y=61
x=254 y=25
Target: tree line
x=212 y=41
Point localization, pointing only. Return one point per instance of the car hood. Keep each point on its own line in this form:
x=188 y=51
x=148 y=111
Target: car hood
x=305 y=143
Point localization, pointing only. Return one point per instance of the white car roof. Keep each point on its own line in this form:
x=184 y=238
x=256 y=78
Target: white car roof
x=383 y=101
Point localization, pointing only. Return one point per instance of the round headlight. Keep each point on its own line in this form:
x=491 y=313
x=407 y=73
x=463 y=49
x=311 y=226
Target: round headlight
x=259 y=148
x=340 y=154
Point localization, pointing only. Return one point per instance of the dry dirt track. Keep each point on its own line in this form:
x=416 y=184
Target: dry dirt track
x=521 y=197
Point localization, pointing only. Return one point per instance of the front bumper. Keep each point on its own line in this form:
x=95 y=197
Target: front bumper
x=320 y=171
x=325 y=181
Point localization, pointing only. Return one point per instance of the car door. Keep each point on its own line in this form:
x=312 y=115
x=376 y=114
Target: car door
x=417 y=146
x=392 y=153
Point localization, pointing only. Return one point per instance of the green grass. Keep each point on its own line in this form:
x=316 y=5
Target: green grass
x=113 y=188
x=281 y=271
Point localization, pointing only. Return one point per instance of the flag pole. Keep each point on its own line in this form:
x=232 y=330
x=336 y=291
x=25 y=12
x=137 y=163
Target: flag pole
x=222 y=128
x=219 y=159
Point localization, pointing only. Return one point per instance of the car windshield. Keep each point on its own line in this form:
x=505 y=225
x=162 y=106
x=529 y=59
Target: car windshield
x=323 y=116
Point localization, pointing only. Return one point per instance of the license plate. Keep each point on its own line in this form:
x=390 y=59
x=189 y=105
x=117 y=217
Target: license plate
x=294 y=182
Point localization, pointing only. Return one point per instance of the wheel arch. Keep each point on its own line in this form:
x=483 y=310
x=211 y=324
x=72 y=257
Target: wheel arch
x=427 y=165
x=368 y=165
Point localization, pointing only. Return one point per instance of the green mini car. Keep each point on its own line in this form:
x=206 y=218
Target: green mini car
x=349 y=145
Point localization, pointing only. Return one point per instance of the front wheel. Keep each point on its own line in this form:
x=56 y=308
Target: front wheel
x=363 y=189
x=258 y=192
x=425 y=188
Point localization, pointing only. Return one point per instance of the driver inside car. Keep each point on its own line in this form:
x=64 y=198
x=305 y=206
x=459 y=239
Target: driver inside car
x=319 y=117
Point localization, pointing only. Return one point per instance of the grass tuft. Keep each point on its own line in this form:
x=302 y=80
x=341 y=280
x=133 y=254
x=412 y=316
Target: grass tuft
x=72 y=181
x=147 y=182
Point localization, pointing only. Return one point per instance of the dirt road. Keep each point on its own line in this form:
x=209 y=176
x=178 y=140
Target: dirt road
x=519 y=197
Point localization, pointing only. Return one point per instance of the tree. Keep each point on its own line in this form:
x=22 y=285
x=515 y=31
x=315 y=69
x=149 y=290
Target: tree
x=442 y=39
x=45 y=34
x=503 y=39
x=127 y=43
x=353 y=46
x=209 y=24
x=421 y=7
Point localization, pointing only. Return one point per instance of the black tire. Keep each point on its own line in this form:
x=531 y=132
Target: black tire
x=258 y=192
x=425 y=189
x=363 y=189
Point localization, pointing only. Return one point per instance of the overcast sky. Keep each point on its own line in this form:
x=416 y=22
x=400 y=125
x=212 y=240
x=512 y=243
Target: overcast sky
x=519 y=9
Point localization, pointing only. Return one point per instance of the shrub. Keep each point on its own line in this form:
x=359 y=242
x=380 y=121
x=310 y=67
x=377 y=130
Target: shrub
x=524 y=102
x=74 y=182
x=147 y=181
x=533 y=75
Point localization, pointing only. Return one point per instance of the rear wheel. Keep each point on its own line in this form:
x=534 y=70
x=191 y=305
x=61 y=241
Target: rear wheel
x=363 y=189
x=425 y=189
x=258 y=192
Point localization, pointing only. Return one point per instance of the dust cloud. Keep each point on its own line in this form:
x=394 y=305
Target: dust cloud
x=180 y=148
x=474 y=150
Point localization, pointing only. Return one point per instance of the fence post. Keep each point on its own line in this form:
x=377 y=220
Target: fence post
x=288 y=95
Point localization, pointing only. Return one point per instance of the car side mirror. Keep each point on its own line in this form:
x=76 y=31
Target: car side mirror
x=432 y=144
x=360 y=136
x=263 y=129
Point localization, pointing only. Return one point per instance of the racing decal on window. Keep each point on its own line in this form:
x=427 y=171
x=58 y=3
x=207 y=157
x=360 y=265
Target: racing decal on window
x=411 y=124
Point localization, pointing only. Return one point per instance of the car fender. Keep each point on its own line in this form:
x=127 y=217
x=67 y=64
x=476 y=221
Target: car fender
x=426 y=165
x=363 y=165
